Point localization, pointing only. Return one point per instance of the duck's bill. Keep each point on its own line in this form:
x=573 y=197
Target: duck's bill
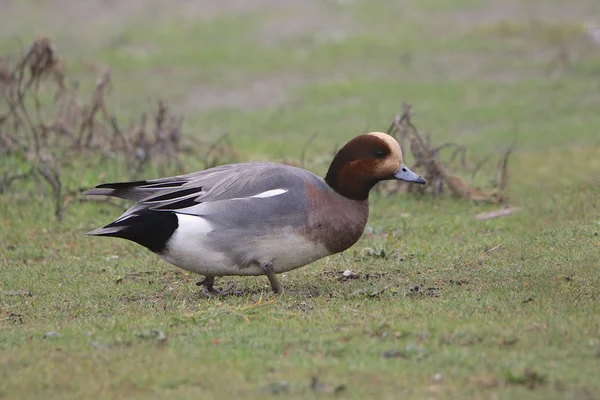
x=405 y=174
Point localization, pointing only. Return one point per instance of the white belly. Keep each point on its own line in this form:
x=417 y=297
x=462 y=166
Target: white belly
x=189 y=249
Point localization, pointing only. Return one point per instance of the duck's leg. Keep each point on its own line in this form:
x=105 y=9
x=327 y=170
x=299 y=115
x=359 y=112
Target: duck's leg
x=275 y=285
x=208 y=286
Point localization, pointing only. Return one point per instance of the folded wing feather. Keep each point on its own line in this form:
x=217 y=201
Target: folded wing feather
x=227 y=182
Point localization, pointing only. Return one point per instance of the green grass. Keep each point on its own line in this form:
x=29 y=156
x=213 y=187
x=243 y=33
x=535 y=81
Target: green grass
x=457 y=308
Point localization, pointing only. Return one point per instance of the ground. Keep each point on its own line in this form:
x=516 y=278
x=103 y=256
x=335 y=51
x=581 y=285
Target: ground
x=453 y=307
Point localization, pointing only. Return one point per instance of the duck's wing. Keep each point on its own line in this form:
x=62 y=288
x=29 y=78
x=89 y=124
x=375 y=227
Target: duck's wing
x=205 y=191
x=139 y=190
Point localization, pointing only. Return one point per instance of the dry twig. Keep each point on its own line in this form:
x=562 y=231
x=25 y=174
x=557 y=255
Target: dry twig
x=67 y=131
x=436 y=171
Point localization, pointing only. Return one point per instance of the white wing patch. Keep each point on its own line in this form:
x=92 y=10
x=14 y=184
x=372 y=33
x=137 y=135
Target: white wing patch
x=270 y=193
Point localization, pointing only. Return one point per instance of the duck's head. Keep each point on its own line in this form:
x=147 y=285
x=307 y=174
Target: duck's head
x=366 y=160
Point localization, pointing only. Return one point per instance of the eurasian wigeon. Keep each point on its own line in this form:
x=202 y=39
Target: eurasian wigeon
x=256 y=218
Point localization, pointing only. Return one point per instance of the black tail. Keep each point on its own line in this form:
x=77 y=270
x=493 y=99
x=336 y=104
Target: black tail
x=151 y=229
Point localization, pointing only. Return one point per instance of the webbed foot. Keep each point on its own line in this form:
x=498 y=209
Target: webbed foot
x=209 y=290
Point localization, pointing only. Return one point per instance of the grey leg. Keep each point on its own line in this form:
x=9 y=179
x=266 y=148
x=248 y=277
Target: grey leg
x=275 y=285
x=208 y=286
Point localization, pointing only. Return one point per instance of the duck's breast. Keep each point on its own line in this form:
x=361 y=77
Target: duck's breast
x=333 y=220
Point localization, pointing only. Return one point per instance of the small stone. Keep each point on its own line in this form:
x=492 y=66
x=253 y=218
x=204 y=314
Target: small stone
x=99 y=346
x=437 y=377
x=348 y=274
x=156 y=334
x=278 y=387
x=393 y=354
x=160 y=336
x=52 y=334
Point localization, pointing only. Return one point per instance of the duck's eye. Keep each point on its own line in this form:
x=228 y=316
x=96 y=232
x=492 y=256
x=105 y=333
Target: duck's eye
x=380 y=154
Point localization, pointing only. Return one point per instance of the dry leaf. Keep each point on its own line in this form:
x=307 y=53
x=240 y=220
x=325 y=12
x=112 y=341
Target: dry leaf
x=503 y=212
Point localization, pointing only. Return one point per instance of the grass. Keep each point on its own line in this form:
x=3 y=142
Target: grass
x=456 y=308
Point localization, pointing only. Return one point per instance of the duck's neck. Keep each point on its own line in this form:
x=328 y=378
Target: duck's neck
x=350 y=185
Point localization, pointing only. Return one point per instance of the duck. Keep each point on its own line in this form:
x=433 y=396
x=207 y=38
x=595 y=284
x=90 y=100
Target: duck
x=256 y=218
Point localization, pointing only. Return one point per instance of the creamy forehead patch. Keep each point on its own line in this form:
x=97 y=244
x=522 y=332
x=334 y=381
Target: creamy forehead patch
x=391 y=142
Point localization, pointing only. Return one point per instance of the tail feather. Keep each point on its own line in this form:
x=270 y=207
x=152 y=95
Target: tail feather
x=105 y=231
x=151 y=229
x=135 y=190
x=123 y=190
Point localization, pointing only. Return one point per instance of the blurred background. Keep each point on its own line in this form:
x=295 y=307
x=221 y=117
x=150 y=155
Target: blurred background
x=445 y=299
x=271 y=73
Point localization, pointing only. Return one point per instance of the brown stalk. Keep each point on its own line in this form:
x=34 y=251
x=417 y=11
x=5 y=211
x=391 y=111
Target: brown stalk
x=68 y=132
x=437 y=171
